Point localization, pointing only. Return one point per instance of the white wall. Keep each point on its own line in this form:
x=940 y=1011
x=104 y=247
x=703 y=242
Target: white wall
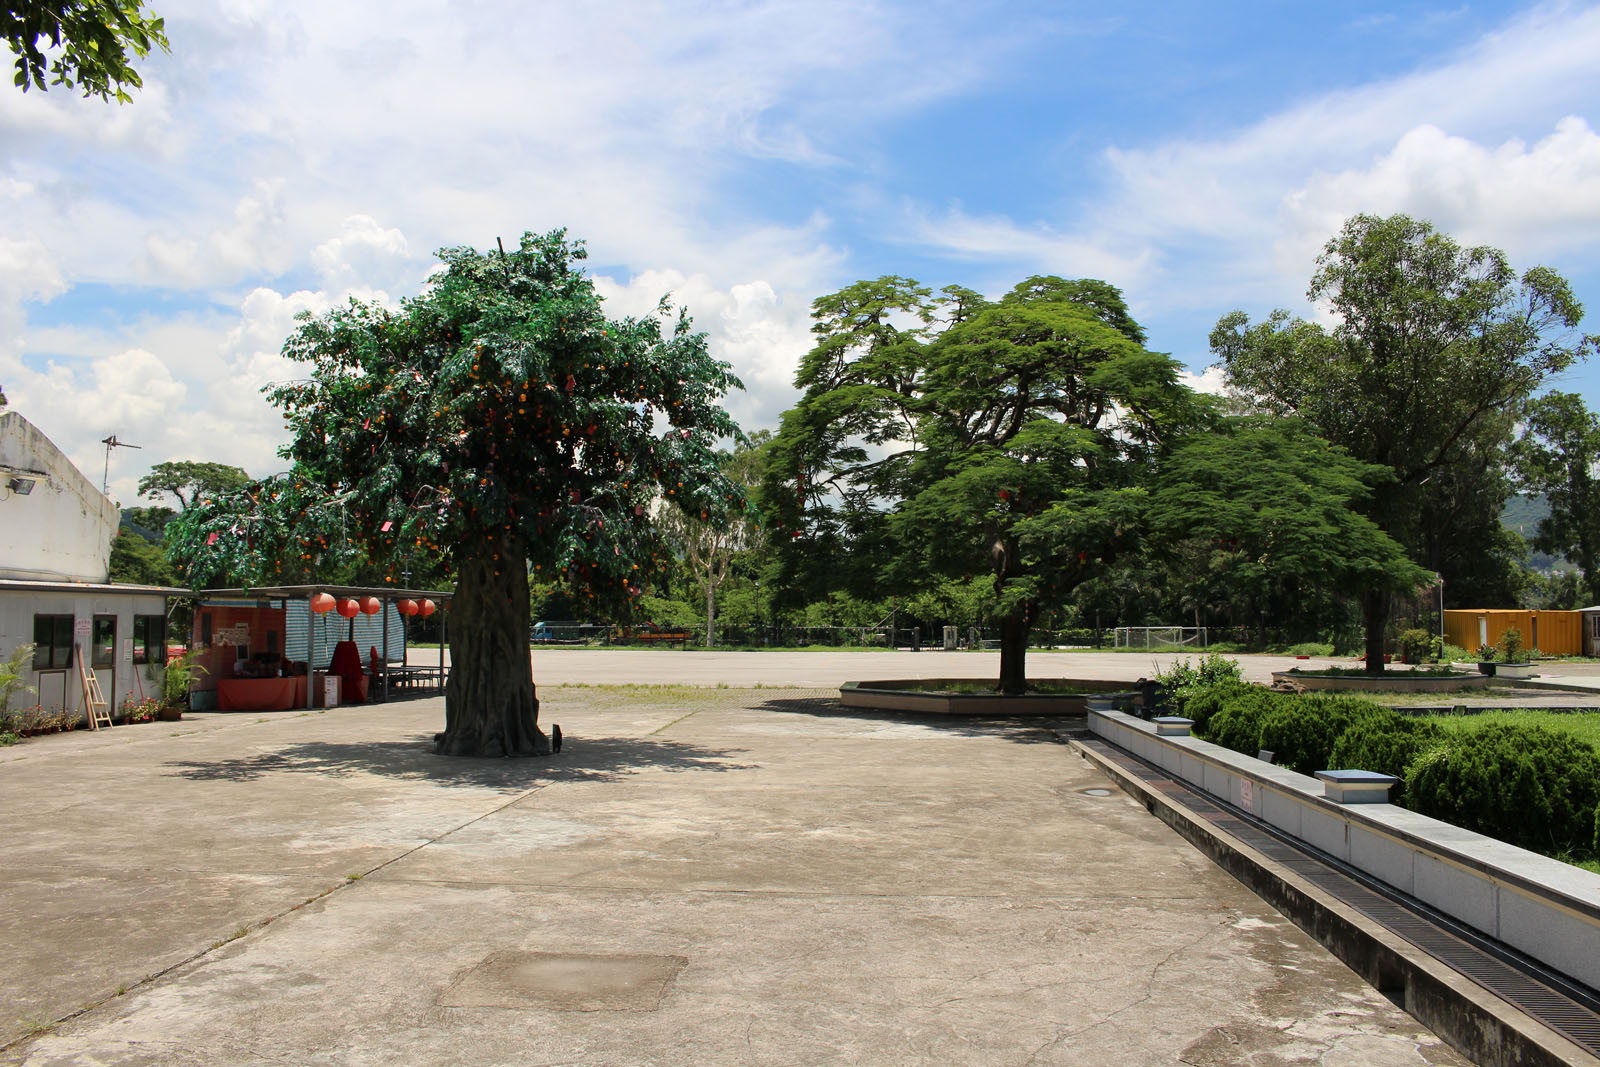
x=17 y=609
x=62 y=530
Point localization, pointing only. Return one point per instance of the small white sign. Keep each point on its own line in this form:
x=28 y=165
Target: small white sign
x=237 y=634
x=127 y=650
x=82 y=628
x=1247 y=798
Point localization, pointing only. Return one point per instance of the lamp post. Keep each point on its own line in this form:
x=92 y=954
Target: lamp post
x=1440 y=577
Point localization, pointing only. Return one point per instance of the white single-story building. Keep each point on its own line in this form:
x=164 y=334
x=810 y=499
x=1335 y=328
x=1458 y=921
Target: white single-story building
x=55 y=558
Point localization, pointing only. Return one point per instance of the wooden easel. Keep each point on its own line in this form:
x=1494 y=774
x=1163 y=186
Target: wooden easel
x=94 y=701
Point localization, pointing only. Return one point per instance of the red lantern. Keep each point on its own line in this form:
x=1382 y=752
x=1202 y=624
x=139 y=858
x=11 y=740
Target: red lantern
x=408 y=607
x=322 y=602
x=370 y=605
x=428 y=608
x=349 y=608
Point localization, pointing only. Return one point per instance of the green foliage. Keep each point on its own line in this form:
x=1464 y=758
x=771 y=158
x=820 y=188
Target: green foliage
x=1525 y=785
x=1434 y=345
x=1269 y=511
x=1301 y=731
x=1183 y=679
x=93 y=38
x=136 y=561
x=1415 y=645
x=177 y=676
x=1386 y=744
x=1559 y=456
x=190 y=480
x=500 y=412
x=953 y=438
x=11 y=674
x=1236 y=721
x=1510 y=645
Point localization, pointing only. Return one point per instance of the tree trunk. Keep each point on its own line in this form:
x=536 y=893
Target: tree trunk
x=1374 y=619
x=1014 y=652
x=711 y=614
x=490 y=707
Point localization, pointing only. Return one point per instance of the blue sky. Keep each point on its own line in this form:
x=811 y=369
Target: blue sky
x=746 y=158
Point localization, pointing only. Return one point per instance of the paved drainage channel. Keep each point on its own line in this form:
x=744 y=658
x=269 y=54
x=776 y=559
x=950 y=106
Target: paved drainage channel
x=1564 y=1006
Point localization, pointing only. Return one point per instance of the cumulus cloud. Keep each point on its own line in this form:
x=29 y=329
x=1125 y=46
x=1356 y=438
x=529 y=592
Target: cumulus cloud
x=1538 y=198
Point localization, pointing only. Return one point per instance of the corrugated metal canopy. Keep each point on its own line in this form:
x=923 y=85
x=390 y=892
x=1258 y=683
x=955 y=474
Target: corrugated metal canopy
x=306 y=592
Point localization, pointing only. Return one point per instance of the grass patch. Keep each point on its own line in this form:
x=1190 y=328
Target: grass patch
x=1585 y=728
x=1439 y=670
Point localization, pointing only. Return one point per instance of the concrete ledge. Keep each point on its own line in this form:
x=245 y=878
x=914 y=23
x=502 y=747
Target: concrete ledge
x=1389 y=682
x=900 y=695
x=1489 y=1031
x=1539 y=906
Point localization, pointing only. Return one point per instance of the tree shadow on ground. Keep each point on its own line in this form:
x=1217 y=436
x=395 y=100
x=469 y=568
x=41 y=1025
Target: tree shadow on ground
x=1020 y=729
x=601 y=759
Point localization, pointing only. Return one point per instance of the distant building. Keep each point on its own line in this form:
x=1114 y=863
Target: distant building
x=55 y=558
x=1555 y=633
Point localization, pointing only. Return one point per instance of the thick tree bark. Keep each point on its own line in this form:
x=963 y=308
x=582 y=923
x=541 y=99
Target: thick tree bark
x=490 y=707
x=1374 y=620
x=1014 y=652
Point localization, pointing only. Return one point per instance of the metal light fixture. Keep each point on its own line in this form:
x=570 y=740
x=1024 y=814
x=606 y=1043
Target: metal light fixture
x=20 y=480
x=20 y=486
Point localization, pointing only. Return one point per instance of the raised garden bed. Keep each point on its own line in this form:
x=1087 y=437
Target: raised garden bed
x=976 y=696
x=1387 y=682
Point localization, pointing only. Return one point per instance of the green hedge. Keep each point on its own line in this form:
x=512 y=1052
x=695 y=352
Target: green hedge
x=1301 y=731
x=1525 y=785
x=1388 y=744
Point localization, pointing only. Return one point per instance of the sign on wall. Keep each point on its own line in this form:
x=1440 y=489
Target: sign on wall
x=238 y=634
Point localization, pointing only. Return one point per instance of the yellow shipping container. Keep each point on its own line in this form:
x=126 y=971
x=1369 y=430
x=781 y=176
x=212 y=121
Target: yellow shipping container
x=1555 y=633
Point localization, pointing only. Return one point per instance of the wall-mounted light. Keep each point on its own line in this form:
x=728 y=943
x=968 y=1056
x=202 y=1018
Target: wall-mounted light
x=20 y=480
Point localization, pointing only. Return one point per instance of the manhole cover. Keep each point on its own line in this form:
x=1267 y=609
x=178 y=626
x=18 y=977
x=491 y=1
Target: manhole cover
x=1096 y=792
x=565 y=981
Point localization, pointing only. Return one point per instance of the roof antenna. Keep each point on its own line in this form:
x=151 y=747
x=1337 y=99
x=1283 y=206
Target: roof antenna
x=105 y=477
x=505 y=260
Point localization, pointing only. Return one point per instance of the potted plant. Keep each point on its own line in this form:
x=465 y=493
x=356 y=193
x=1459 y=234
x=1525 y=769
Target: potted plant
x=175 y=683
x=1513 y=662
x=1486 y=664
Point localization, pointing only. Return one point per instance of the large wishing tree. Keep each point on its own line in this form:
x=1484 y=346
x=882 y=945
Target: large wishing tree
x=498 y=420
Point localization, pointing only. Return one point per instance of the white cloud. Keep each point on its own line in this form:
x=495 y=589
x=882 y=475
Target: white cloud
x=364 y=254
x=1538 y=198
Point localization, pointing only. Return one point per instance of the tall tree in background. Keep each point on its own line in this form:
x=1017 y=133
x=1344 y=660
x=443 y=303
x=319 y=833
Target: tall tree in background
x=709 y=542
x=1432 y=342
x=951 y=438
x=1278 y=503
x=189 y=480
x=1559 y=456
x=90 y=40
x=499 y=418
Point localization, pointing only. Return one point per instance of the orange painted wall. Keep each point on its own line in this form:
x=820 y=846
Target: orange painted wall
x=1555 y=633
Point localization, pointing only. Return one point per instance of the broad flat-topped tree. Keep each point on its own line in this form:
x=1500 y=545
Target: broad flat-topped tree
x=499 y=418
x=957 y=437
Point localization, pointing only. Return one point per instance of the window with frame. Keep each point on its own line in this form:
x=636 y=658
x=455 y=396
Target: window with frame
x=52 y=642
x=103 y=643
x=150 y=639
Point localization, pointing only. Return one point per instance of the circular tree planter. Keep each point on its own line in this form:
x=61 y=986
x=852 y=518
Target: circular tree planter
x=945 y=696
x=1388 y=682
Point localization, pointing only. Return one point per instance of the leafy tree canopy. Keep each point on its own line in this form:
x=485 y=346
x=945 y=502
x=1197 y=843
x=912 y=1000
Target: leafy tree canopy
x=1278 y=505
x=136 y=561
x=1559 y=456
x=188 y=480
x=948 y=437
x=1431 y=342
x=90 y=40
x=497 y=419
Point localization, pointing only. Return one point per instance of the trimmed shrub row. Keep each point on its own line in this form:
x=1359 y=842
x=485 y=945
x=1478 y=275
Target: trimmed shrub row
x=1525 y=785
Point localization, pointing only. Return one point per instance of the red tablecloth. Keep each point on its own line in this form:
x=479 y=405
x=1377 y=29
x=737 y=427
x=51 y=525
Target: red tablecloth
x=261 y=694
x=346 y=664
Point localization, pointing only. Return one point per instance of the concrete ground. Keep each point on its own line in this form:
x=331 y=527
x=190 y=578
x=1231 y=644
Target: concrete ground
x=700 y=877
